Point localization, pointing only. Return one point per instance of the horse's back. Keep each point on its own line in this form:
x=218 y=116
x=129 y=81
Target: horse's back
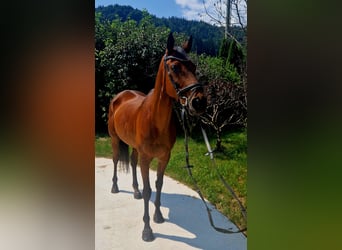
x=123 y=97
x=129 y=94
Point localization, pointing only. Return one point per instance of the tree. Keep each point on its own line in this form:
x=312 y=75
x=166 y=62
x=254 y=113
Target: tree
x=227 y=105
x=227 y=100
x=233 y=53
x=227 y=94
x=227 y=14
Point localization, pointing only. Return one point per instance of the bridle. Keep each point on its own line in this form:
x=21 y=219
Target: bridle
x=180 y=92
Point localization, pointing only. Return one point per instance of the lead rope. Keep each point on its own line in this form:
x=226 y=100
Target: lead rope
x=243 y=209
x=188 y=166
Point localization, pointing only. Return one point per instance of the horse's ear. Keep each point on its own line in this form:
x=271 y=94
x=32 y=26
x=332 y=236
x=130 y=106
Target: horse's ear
x=187 y=45
x=170 y=43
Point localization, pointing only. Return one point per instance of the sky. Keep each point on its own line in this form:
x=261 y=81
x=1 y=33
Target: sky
x=188 y=9
x=159 y=8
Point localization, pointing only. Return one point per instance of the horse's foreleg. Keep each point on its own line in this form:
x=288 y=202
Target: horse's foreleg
x=147 y=234
x=158 y=217
x=134 y=161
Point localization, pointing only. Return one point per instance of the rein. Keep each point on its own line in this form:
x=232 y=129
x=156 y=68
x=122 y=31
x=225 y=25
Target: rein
x=182 y=119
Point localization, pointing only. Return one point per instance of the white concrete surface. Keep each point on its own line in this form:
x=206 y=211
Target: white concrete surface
x=119 y=224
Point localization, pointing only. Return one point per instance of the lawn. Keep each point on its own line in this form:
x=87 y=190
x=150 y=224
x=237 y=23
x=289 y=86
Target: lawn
x=231 y=164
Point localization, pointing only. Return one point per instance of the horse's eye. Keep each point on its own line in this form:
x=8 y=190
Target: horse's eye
x=175 y=68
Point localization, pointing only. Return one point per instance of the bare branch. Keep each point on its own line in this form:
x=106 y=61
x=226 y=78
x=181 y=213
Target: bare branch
x=211 y=16
x=236 y=4
x=218 y=14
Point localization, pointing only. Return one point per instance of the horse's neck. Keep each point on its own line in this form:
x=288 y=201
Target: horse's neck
x=162 y=104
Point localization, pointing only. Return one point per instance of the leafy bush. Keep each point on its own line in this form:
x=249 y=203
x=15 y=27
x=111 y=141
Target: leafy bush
x=214 y=68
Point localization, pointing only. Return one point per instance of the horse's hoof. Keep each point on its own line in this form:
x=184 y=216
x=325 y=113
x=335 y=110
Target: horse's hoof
x=137 y=195
x=147 y=235
x=115 y=189
x=158 y=218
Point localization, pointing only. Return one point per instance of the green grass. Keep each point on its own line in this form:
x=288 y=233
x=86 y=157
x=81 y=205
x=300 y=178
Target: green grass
x=103 y=147
x=231 y=164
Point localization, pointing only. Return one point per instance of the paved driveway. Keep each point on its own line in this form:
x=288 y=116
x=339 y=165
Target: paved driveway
x=118 y=217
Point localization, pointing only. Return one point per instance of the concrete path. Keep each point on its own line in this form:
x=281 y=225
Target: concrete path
x=119 y=224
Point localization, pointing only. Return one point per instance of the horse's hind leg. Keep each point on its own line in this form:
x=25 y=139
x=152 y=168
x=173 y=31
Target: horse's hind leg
x=115 y=147
x=134 y=161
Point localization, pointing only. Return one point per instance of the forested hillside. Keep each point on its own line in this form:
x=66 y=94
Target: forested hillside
x=207 y=38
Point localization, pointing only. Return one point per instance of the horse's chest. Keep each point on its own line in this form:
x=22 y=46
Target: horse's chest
x=156 y=145
x=155 y=150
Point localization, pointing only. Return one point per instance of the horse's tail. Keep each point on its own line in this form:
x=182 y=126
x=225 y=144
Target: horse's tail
x=123 y=156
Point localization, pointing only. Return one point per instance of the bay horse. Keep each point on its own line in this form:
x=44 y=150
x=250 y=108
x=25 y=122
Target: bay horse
x=145 y=122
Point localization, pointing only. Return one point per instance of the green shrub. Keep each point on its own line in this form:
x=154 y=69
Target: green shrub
x=214 y=68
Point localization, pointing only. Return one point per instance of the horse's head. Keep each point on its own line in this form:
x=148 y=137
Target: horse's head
x=182 y=83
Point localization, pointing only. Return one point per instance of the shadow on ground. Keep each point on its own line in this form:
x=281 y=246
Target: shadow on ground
x=189 y=213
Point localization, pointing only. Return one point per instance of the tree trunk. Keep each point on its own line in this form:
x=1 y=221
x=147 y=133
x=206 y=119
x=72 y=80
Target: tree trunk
x=218 y=147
